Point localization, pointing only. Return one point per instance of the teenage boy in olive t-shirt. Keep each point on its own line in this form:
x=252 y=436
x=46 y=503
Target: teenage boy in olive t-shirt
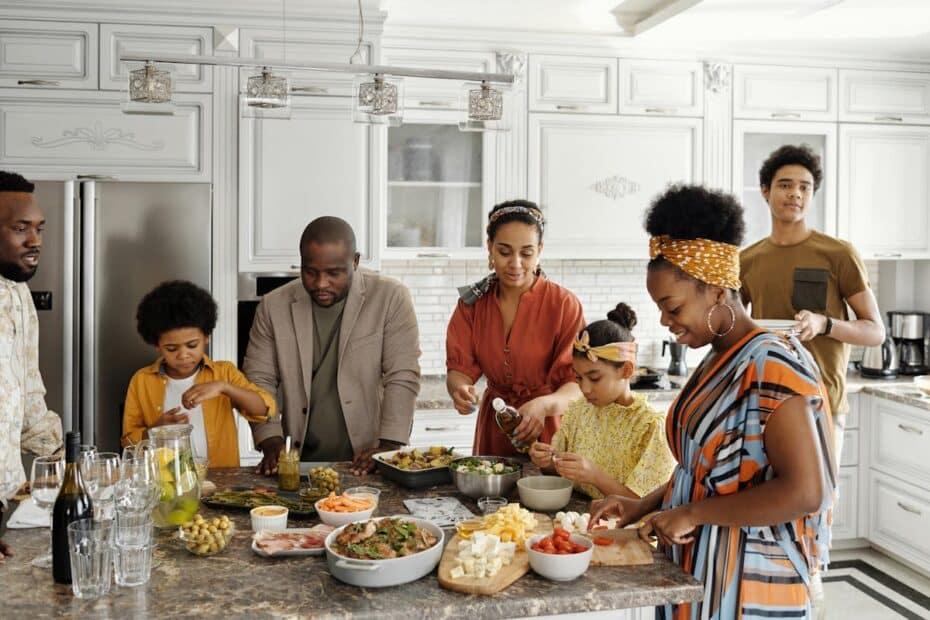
x=799 y=273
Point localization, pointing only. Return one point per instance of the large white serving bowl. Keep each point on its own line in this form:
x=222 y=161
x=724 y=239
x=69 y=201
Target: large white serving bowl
x=342 y=518
x=390 y=572
x=544 y=493
x=560 y=567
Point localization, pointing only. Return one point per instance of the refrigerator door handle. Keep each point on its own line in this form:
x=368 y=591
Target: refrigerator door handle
x=88 y=337
x=67 y=309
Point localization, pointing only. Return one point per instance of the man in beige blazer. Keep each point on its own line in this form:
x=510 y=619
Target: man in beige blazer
x=340 y=348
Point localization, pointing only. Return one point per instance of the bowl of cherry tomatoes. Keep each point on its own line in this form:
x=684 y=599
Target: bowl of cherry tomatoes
x=560 y=556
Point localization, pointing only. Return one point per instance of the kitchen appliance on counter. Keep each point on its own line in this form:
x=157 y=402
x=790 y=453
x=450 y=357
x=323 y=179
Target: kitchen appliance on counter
x=106 y=244
x=908 y=329
x=677 y=365
x=880 y=362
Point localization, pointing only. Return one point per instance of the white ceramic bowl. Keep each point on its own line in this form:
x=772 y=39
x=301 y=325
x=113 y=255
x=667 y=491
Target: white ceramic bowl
x=342 y=518
x=922 y=383
x=269 y=518
x=544 y=493
x=560 y=567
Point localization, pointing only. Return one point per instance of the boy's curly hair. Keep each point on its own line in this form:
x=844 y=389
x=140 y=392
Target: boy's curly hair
x=173 y=305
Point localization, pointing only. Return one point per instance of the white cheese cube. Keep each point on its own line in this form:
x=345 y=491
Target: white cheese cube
x=457 y=572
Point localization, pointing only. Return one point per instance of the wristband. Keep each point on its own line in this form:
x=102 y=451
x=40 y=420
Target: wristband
x=828 y=328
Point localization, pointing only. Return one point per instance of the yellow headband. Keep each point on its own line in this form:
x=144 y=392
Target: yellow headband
x=612 y=352
x=713 y=262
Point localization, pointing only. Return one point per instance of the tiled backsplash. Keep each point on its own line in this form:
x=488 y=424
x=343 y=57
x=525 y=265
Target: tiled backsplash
x=599 y=284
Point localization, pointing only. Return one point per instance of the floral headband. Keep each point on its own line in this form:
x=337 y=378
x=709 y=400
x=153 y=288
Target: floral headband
x=713 y=262
x=612 y=352
x=533 y=212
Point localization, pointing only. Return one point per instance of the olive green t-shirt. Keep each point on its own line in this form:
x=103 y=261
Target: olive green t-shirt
x=327 y=438
x=818 y=274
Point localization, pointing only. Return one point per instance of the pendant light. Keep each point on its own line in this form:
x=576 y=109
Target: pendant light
x=487 y=108
x=149 y=91
x=268 y=95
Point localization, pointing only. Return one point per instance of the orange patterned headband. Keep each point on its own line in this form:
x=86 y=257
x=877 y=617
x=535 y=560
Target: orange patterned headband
x=713 y=262
x=612 y=352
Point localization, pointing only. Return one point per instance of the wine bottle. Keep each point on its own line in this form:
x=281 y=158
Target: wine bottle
x=73 y=503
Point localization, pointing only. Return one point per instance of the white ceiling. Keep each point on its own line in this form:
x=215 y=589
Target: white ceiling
x=898 y=29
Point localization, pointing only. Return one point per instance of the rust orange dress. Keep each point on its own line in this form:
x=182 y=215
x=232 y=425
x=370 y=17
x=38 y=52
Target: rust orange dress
x=535 y=359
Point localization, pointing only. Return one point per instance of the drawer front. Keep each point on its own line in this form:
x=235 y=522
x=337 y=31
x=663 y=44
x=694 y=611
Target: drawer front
x=661 y=88
x=86 y=133
x=573 y=84
x=885 y=97
x=850 y=453
x=48 y=54
x=900 y=518
x=117 y=39
x=431 y=94
x=845 y=511
x=787 y=93
x=900 y=440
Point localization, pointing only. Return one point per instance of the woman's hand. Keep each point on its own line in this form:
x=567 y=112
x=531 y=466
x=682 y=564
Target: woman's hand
x=671 y=527
x=629 y=510
x=541 y=455
x=576 y=468
x=534 y=415
x=465 y=399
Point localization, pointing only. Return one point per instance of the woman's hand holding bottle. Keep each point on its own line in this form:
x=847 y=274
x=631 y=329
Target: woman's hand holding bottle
x=534 y=415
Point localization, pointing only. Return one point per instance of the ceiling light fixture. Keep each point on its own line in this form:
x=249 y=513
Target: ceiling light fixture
x=378 y=100
x=268 y=95
x=485 y=106
x=149 y=91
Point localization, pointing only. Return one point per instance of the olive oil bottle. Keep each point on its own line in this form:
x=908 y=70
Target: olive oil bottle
x=73 y=503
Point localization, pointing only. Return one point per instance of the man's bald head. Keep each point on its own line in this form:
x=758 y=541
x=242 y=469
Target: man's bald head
x=329 y=229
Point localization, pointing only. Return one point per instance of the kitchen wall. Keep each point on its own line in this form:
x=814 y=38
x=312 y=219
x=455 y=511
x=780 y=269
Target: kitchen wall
x=599 y=284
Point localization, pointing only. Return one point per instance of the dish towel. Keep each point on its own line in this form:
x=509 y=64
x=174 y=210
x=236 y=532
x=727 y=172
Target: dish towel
x=27 y=515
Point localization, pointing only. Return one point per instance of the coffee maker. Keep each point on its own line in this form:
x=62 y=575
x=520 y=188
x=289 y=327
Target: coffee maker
x=677 y=366
x=907 y=330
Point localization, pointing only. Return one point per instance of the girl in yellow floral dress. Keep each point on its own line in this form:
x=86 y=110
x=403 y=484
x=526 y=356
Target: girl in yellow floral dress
x=611 y=442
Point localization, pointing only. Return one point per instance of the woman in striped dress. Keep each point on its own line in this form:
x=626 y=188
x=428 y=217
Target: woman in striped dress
x=746 y=511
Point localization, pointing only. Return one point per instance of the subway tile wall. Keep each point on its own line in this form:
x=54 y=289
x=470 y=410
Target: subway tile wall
x=599 y=284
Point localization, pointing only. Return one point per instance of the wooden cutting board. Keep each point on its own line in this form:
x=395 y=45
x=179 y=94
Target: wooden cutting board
x=488 y=585
x=627 y=549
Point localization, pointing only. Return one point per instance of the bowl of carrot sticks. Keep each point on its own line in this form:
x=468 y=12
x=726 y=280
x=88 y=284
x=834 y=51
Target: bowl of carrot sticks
x=338 y=510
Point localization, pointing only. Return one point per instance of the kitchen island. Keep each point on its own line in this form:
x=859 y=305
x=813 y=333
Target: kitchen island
x=238 y=583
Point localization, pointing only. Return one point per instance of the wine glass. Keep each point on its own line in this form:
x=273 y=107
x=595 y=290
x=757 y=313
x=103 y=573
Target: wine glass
x=101 y=473
x=46 y=479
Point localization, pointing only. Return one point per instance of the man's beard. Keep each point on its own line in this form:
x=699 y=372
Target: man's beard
x=16 y=273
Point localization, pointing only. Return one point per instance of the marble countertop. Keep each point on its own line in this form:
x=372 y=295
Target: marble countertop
x=238 y=583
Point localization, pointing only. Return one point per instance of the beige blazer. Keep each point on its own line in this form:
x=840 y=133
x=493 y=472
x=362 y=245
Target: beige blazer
x=378 y=374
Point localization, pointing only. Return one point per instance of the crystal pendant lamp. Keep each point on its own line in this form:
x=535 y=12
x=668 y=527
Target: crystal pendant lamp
x=487 y=110
x=378 y=100
x=149 y=85
x=267 y=91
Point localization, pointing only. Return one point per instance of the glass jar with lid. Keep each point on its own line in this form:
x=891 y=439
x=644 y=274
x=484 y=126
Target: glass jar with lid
x=180 y=486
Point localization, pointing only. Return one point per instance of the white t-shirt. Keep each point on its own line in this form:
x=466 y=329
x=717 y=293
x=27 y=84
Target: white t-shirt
x=173 y=392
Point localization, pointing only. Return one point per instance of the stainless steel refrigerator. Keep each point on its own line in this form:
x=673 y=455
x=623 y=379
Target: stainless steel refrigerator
x=105 y=245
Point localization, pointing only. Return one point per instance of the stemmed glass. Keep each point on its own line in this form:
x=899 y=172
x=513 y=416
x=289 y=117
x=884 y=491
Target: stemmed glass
x=46 y=479
x=101 y=473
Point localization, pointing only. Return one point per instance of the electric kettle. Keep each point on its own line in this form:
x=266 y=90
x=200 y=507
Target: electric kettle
x=880 y=362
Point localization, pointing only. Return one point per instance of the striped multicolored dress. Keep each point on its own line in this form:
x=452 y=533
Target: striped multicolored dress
x=716 y=429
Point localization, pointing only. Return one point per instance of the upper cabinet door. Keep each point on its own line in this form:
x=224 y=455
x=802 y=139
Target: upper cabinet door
x=48 y=54
x=573 y=84
x=885 y=190
x=434 y=94
x=317 y=163
x=661 y=88
x=885 y=97
x=786 y=93
x=302 y=47
x=595 y=176
x=118 y=39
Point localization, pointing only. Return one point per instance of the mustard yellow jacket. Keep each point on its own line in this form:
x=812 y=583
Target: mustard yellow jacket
x=146 y=396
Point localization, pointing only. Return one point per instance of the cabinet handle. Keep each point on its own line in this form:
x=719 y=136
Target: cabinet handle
x=95 y=177
x=39 y=83
x=894 y=119
x=907 y=508
x=440 y=428
x=785 y=115
x=317 y=90
x=887 y=254
x=910 y=429
x=295 y=266
x=437 y=104
x=433 y=255
x=660 y=110
x=569 y=107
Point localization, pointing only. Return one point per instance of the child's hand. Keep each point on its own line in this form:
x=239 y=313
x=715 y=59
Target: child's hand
x=172 y=416
x=576 y=468
x=541 y=454
x=202 y=392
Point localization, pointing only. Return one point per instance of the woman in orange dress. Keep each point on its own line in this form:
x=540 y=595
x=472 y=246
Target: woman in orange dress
x=516 y=328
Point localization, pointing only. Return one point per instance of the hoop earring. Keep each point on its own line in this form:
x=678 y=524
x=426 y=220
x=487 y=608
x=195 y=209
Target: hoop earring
x=538 y=269
x=490 y=264
x=710 y=314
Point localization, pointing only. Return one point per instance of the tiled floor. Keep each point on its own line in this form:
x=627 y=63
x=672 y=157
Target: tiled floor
x=863 y=584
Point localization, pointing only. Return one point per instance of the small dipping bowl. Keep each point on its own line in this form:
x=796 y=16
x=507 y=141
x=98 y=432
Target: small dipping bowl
x=269 y=518
x=367 y=492
x=489 y=505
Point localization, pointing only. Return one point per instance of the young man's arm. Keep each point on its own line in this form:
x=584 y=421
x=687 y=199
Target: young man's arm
x=866 y=329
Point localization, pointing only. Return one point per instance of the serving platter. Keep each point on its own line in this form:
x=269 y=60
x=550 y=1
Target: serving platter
x=274 y=496
x=323 y=533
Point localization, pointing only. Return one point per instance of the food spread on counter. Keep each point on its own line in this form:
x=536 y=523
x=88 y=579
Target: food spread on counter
x=382 y=539
x=512 y=523
x=344 y=503
x=416 y=459
x=205 y=537
x=324 y=478
x=251 y=498
x=559 y=543
x=279 y=542
x=483 y=555
x=484 y=467
x=576 y=523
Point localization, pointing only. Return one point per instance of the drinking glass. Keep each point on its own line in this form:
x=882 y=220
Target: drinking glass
x=90 y=547
x=133 y=564
x=46 y=479
x=139 y=487
x=101 y=473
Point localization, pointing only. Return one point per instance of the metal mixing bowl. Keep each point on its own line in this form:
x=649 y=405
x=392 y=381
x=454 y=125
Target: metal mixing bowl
x=476 y=485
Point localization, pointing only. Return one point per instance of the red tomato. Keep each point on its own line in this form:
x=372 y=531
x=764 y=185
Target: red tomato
x=602 y=541
x=560 y=533
x=576 y=548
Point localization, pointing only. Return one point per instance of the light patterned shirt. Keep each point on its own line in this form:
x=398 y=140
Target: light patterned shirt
x=627 y=442
x=25 y=421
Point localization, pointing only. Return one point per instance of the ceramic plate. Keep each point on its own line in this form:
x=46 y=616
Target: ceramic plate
x=291 y=552
x=777 y=325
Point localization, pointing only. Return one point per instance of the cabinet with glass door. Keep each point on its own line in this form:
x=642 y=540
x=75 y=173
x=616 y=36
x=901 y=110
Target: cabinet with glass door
x=439 y=187
x=753 y=141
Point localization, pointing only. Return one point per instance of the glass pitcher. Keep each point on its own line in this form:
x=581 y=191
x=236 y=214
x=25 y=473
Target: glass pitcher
x=180 y=486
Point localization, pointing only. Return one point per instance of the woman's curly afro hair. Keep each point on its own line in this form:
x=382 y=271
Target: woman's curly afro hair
x=695 y=212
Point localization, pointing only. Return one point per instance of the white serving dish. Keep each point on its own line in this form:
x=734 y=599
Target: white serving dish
x=291 y=552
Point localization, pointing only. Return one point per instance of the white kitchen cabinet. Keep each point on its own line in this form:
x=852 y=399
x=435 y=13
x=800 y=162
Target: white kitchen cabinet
x=317 y=163
x=595 y=175
x=45 y=54
x=443 y=427
x=118 y=39
x=661 y=88
x=900 y=441
x=899 y=519
x=434 y=94
x=581 y=84
x=884 y=188
x=784 y=93
x=66 y=133
x=753 y=142
x=857 y=404
x=897 y=97
x=845 y=510
x=304 y=47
